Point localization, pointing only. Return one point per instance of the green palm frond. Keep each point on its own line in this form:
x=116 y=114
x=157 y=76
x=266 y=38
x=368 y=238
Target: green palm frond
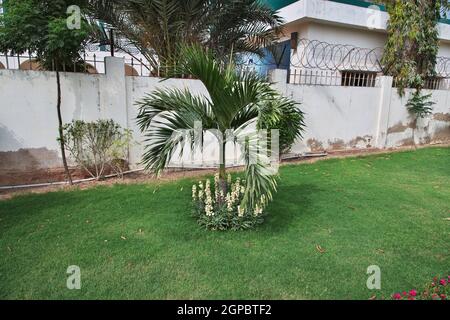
x=235 y=102
x=158 y=27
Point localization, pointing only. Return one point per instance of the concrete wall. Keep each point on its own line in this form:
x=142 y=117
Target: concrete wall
x=28 y=118
x=338 y=118
x=343 y=118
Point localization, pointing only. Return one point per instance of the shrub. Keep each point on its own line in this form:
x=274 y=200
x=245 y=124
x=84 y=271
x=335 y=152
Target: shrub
x=98 y=146
x=215 y=210
x=438 y=289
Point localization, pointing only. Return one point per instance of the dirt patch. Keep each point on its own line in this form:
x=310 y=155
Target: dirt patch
x=24 y=177
x=50 y=175
x=442 y=117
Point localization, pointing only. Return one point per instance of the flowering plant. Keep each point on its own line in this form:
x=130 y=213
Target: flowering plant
x=217 y=210
x=439 y=289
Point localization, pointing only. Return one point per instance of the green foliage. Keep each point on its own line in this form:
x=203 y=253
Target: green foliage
x=235 y=102
x=289 y=121
x=40 y=26
x=413 y=43
x=160 y=27
x=420 y=105
x=97 y=146
x=217 y=211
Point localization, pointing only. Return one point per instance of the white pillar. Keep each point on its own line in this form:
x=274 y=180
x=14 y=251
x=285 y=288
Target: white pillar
x=384 y=109
x=278 y=78
x=114 y=94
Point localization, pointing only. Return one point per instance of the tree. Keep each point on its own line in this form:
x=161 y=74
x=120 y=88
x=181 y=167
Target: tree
x=419 y=106
x=236 y=102
x=40 y=27
x=158 y=27
x=413 y=43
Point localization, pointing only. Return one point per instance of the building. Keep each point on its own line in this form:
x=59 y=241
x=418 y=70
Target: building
x=346 y=36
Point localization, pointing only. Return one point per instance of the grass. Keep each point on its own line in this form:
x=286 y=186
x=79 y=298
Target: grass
x=140 y=242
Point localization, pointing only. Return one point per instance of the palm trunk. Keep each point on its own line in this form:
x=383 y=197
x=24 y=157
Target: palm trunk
x=60 y=128
x=222 y=170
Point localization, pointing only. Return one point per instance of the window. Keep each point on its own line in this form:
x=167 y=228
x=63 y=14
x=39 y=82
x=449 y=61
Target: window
x=436 y=83
x=350 y=78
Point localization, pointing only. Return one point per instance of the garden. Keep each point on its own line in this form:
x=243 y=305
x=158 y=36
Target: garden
x=363 y=227
x=329 y=221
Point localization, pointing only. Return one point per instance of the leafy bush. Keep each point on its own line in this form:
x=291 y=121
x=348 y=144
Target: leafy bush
x=288 y=119
x=98 y=146
x=420 y=104
x=438 y=289
x=215 y=210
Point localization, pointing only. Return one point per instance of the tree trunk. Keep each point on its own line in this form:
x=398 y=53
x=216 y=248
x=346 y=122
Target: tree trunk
x=414 y=133
x=60 y=128
x=222 y=171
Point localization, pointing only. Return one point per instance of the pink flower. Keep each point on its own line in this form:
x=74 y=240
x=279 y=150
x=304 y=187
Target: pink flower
x=443 y=296
x=397 y=296
x=443 y=282
x=404 y=293
x=433 y=284
x=413 y=293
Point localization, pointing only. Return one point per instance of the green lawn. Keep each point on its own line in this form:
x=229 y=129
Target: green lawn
x=386 y=210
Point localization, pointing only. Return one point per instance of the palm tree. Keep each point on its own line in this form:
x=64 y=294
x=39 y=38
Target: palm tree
x=157 y=28
x=236 y=102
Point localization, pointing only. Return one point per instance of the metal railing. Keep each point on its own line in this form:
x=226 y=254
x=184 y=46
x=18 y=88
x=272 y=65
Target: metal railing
x=321 y=63
x=333 y=78
x=89 y=63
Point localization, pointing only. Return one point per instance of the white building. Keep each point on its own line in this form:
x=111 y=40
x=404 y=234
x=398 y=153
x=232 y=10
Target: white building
x=346 y=35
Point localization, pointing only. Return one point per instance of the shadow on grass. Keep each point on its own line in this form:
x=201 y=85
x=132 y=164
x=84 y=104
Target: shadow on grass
x=289 y=203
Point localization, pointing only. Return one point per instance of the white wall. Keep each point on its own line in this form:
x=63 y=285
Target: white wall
x=343 y=118
x=338 y=118
x=351 y=16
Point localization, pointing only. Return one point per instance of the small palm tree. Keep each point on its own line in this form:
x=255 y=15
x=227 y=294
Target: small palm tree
x=236 y=102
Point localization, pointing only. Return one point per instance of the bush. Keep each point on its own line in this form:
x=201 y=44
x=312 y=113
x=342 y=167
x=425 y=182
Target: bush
x=215 y=210
x=289 y=121
x=438 y=289
x=98 y=147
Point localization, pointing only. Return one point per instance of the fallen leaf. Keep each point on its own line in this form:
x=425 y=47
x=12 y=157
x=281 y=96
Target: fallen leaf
x=123 y=238
x=9 y=249
x=380 y=251
x=320 y=249
x=448 y=219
